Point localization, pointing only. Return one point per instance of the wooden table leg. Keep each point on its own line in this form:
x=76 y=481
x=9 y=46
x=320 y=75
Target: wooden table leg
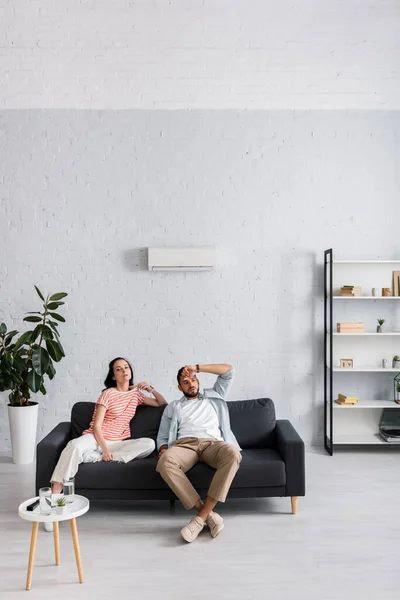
x=35 y=527
x=75 y=540
x=294 y=500
x=56 y=542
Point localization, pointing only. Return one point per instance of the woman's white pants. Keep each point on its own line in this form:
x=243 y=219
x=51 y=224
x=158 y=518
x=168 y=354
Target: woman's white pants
x=86 y=449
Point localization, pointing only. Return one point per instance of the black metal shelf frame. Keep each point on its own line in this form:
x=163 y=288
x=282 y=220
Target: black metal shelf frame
x=328 y=351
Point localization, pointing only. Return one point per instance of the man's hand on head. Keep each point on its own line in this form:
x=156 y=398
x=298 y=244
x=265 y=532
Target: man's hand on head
x=189 y=370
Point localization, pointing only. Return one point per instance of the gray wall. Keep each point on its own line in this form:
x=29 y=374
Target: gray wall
x=84 y=193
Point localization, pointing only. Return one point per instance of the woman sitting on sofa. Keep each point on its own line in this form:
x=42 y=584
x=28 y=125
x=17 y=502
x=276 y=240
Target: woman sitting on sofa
x=107 y=437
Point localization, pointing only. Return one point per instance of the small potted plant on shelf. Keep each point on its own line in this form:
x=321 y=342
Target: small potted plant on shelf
x=60 y=505
x=379 y=326
x=396 y=362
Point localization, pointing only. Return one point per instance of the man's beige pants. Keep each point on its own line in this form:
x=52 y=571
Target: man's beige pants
x=185 y=453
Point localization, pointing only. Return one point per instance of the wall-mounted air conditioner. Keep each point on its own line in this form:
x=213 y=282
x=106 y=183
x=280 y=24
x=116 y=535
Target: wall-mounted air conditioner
x=182 y=259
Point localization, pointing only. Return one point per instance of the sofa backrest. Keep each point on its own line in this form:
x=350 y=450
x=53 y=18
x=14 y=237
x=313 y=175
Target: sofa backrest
x=252 y=421
x=144 y=424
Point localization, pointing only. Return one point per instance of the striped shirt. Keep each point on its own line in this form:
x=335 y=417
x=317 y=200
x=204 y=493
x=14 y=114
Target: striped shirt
x=120 y=409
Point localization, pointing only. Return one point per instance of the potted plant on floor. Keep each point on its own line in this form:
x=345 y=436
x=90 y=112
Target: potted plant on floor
x=396 y=362
x=379 y=326
x=25 y=361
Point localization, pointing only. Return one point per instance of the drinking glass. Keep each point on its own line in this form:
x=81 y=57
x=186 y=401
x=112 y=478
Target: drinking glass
x=45 y=500
x=69 y=490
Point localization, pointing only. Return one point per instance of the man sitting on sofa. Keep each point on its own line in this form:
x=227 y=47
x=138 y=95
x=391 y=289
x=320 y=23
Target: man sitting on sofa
x=196 y=428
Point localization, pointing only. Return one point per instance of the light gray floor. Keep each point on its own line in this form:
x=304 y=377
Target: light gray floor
x=343 y=544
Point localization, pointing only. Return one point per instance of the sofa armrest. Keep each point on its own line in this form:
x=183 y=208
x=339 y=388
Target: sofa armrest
x=291 y=447
x=48 y=452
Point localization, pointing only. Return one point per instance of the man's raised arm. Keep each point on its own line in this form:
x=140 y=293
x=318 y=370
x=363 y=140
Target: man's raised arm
x=223 y=370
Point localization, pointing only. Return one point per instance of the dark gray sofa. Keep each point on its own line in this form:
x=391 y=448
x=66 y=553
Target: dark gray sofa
x=272 y=463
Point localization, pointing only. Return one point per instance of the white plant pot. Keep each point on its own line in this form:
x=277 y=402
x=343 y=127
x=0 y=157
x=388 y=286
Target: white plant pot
x=60 y=510
x=23 y=426
x=396 y=364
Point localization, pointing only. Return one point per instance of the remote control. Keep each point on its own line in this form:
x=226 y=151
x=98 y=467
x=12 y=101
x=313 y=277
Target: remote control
x=32 y=506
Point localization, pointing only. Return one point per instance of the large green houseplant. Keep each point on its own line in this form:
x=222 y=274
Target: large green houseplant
x=25 y=361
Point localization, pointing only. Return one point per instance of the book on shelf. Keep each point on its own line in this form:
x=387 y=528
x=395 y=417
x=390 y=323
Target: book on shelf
x=342 y=399
x=350 y=327
x=396 y=283
x=390 y=437
x=350 y=290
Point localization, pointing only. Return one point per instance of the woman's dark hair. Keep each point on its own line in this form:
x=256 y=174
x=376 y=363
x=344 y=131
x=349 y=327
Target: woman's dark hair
x=109 y=382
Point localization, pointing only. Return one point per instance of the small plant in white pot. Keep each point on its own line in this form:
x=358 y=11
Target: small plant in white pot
x=60 y=505
x=380 y=325
x=24 y=363
x=396 y=362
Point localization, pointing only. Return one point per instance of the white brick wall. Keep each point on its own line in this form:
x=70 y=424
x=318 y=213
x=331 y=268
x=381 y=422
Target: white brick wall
x=85 y=193
x=312 y=54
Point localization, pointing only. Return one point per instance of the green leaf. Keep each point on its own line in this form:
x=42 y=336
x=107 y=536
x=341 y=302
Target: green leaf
x=9 y=359
x=9 y=337
x=58 y=343
x=54 y=328
x=20 y=364
x=11 y=334
x=24 y=339
x=39 y=293
x=3 y=329
x=40 y=360
x=17 y=377
x=32 y=319
x=57 y=296
x=34 y=381
x=43 y=389
x=38 y=329
x=53 y=350
x=54 y=305
x=57 y=317
x=51 y=370
x=47 y=333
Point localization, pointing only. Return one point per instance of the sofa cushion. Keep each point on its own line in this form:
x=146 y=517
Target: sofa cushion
x=259 y=468
x=253 y=422
x=146 y=422
x=138 y=474
x=81 y=415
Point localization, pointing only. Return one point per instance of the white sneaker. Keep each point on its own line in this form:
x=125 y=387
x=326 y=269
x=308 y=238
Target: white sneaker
x=192 y=529
x=215 y=523
x=48 y=526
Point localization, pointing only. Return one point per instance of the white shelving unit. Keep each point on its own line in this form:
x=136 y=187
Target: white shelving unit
x=368 y=380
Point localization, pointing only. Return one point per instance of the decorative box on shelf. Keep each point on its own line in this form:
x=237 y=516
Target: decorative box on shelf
x=350 y=327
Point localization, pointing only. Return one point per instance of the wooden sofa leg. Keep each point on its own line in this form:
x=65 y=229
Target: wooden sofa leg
x=294 y=500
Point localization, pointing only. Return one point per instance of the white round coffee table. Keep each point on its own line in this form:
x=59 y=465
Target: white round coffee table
x=78 y=507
